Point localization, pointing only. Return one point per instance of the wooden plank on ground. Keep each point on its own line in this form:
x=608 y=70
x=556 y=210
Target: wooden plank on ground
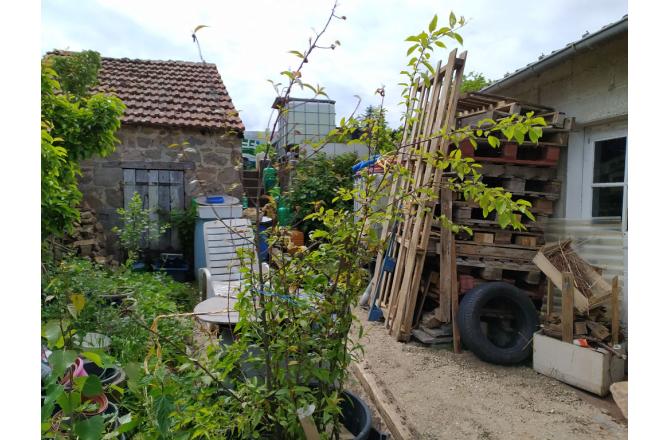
x=387 y=406
x=567 y=308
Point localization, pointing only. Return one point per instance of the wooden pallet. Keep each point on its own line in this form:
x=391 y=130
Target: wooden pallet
x=510 y=170
x=437 y=102
x=511 y=153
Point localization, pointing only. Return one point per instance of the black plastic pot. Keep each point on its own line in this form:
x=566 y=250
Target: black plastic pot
x=111 y=375
x=355 y=416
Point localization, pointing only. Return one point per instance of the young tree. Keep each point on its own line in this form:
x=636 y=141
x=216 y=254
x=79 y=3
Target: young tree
x=474 y=82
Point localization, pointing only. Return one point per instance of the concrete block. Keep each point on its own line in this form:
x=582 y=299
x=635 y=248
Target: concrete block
x=582 y=367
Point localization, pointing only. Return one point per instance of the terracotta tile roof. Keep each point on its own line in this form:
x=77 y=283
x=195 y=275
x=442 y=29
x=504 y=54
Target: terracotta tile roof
x=169 y=93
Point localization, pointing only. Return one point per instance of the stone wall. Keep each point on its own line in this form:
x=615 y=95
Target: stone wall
x=212 y=165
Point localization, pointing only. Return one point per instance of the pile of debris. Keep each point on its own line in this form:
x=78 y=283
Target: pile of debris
x=592 y=314
x=88 y=239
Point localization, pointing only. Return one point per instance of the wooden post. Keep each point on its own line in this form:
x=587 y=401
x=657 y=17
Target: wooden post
x=550 y=299
x=614 y=299
x=454 y=291
x=443 y=313
x=567 y=307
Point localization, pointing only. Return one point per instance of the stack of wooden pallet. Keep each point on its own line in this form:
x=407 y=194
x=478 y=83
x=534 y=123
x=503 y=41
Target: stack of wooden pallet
x=526 y=170
x=529 y=172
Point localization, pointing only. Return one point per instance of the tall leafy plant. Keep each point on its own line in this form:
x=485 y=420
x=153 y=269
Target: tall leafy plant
x=138 y=228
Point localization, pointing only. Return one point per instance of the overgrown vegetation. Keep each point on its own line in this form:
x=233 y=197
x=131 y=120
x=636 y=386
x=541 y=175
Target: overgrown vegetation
x=139 y=228
x=76 y=125
x=292 y=345
x=315 y=184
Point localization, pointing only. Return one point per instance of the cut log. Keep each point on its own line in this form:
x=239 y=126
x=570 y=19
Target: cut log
x=598 y=330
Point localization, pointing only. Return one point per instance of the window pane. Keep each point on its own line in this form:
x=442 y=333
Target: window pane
x=609 y=160
x=607 y=202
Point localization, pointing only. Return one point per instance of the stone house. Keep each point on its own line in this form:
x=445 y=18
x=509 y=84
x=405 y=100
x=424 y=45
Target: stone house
x=168 y=103
x=587 y=79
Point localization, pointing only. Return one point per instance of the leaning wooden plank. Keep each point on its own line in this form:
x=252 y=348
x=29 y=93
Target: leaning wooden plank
x=443 y=313
x=567 y=294
x=386 y=404
x=579 y=300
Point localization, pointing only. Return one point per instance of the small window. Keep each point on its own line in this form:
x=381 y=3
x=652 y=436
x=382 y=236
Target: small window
x=609 y=178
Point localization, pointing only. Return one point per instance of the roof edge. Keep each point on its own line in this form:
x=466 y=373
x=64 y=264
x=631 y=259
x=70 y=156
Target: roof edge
x=607 y=32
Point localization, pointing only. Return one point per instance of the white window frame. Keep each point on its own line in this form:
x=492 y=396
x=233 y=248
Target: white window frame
x=593 y=135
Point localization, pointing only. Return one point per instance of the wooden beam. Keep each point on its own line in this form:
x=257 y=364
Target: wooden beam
x=384 y=402
x=454 y=291
x=614 y=310
x=567 y=307
x=443 y=313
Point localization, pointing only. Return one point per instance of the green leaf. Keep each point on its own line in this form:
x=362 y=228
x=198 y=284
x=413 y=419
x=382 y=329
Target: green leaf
x=92 y=386
x=440 y=44
x=79 y=301
x=413 y=38
x=127 y=422
x=453 y=19
x=297 y=53
x=163 y=408
x=458 y=37
x=432 y=24
x=90 y=429
x=410 y=51
x=93 y=357
x=493 y=141
x=60 y=360
x=52 y=332
x=69 y=401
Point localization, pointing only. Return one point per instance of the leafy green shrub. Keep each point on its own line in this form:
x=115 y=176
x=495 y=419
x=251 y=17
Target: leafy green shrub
x=139 y=229
x=75 y=126
x=150 y=295
x=315 y=183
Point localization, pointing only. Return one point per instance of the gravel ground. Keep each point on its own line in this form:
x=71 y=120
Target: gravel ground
x=448 y=396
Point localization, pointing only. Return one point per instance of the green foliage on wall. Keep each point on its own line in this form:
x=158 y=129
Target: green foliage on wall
x=75 y=126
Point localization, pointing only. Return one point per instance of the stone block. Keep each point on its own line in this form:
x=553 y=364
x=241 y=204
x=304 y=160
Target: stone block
x=216 y=159
x=144 y=142
x=108 y=177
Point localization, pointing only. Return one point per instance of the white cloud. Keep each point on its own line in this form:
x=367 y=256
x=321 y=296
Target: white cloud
x=249 y=40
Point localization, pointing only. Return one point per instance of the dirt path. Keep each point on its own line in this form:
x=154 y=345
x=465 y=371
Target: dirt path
x=448 y=396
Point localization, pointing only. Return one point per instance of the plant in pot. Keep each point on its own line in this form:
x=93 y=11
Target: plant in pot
x=139 y=229
x=283 y=376
x=74 y=400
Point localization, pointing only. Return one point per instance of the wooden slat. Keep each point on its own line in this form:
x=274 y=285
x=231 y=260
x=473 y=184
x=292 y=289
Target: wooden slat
x=444 y=311
x=129 y=186
x=164 y=208
x=567 y=308
x=176 y=200
x=419 y=226
x=153 y=178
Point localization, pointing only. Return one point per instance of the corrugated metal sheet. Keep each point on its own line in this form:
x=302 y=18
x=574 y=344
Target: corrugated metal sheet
x=601 y=242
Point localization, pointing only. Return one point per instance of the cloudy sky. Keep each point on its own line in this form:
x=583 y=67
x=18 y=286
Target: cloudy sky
x=249 y=40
